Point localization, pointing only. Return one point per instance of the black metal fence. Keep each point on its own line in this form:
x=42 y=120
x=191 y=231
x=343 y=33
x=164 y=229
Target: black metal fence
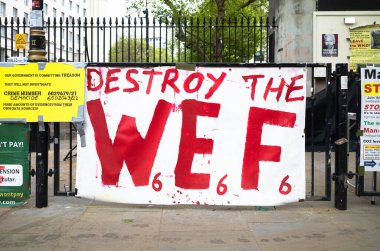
x=146 y=40
x=197 y=40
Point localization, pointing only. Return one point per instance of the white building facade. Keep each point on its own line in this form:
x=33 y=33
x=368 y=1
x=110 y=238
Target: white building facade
x=66 y=43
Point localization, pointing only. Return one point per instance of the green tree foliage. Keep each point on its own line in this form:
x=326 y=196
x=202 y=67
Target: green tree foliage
x=211 y=30
x=133 y=50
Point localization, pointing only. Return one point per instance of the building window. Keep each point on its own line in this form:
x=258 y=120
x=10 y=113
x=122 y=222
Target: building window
x=54 y=12
x=78 y=9
x=71 y=5
x=26 y=17
x=26 y=2
x=45 y=9
x=63 y=2
x=63 y=16
x=2 y=9
x=15 y=13
x=84 y=12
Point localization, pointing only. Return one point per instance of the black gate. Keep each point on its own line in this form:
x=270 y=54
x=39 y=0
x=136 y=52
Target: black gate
x=229 y=40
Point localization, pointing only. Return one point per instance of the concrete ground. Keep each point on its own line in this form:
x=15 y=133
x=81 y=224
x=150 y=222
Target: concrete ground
x=70 y=223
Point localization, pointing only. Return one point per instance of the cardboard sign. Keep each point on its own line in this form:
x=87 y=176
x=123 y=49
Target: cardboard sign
x=216 y=135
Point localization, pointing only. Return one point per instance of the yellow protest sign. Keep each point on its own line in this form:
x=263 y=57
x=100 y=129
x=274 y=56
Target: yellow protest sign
x=20 y=41
x=364 y=45
x=54 y=91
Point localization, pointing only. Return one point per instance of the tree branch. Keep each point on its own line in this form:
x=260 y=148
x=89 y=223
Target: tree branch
x=246 y=4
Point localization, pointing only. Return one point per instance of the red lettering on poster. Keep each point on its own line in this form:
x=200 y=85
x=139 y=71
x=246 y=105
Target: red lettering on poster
x=151 y=74
x=189 y=79
x=284 y=185
x=253 y=83
x=89 y=78
x=131 y=80
x=111 y=78
x=292 y=88
x=221 y=189
x=137 y=152
x=190 y=144
x=217 y=83
x=278 y=89
x=156 y=183
x=255 y=152
x=170 y=80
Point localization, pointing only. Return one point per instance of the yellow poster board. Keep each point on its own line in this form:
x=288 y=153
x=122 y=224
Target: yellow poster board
x=53 y=91
x=364 y=45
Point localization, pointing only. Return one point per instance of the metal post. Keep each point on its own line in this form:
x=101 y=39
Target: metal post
x=56 y=157
x=340 y=176
x=146 y=31
x=37 y=53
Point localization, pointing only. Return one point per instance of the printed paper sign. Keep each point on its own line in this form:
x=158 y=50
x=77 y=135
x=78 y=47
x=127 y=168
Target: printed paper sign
x=11 y=175
x=364 y=45
x=216 y=135
x=55 y=92
x=370 y=119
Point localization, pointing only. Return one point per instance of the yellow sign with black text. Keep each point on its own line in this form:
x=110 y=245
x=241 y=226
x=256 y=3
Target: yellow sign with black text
x=364 y=45
x=54 y=91
x=20 y=41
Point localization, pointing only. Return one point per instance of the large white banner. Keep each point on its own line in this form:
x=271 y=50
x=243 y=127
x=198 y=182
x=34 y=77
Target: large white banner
x=212 y=136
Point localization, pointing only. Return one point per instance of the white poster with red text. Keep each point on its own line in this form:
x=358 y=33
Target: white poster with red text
x=212 y=136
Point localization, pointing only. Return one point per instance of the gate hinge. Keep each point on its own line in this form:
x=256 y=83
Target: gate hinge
x=343 y=177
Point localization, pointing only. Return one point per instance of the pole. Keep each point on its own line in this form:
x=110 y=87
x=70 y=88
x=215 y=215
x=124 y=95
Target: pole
x=146 y=32
x=340 y=176
x=37 y=53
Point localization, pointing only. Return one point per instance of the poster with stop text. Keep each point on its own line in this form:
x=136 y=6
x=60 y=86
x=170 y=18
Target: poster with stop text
x=370 y=119
x=207 y=136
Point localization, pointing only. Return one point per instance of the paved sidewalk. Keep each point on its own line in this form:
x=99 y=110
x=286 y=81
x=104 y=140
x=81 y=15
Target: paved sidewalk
x=70 y=223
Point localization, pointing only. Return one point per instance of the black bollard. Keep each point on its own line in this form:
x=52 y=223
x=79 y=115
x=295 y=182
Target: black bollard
x=341 y=139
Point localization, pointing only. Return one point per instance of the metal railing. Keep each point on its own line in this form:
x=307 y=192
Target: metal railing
x=235 y=40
